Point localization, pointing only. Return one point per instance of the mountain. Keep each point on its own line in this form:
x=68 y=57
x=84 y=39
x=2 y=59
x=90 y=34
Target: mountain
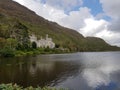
x=19 y=22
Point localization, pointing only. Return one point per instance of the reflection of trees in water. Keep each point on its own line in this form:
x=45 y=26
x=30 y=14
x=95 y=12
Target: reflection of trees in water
x=12 y=70
x=33 y=72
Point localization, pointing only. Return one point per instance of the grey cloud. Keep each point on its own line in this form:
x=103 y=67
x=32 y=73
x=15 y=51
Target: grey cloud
x=116 y=40
x=75 y=19
x=64 y=4
x=112 y=8
x=115 y=26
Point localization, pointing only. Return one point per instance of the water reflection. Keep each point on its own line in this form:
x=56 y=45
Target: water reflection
x=78 y=71
x=36 y=71
x=99 y=71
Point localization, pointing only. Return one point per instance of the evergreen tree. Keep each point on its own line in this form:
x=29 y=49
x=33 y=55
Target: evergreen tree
x=34 y=45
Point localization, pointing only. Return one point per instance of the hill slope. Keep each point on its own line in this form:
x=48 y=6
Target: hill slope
x=20 y=22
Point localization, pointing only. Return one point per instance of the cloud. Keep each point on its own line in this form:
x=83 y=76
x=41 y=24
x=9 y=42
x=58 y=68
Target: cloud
x=115 y=25
x=111 y=37
x=99 y=28
x=79 y=17
x=75 y=19
x=66 y=5
x=43 y=10
x=111 y=9
x=93 y=27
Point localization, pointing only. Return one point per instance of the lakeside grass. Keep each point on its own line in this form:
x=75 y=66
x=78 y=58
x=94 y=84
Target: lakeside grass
x=17 y=53
x=17 y=87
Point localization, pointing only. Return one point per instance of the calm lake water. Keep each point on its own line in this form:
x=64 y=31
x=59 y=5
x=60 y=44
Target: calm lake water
x=76 y=71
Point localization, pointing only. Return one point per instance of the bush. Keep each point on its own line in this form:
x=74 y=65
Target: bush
x=7 y=52
x=36 y=52
x=20 y=53
x=29 y=53
x=10 y=87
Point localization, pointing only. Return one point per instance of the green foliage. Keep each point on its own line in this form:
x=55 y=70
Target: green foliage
x=29 y=53
x=2 y=43
x=10 y=87
x=36 y=51
x=16 y=87
x=26 y=46
x=47 y=49
x=11 y=43
x=34 y=45
x=19 y=46
x=57 y=45
x=19 y=53
x=7 y=52
x=23 y=47
x=20 y=26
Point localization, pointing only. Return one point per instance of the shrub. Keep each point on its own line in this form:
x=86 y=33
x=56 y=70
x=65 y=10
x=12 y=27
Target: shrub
x=7 y=52
x=29 y=53
x=20 y=53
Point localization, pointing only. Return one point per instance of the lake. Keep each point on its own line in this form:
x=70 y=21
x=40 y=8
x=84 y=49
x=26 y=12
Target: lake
x=76 y=71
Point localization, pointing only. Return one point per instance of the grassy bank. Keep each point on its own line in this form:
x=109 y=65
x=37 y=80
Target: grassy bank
x=7 y=52
x=16 y=87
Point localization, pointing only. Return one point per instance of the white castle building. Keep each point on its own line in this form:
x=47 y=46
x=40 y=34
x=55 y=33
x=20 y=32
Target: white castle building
x=44 y=43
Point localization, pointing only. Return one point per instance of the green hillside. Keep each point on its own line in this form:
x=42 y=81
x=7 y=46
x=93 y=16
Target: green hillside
x=17 y=23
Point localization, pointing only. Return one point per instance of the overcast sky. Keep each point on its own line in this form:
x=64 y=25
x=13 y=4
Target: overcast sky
x=99 y=18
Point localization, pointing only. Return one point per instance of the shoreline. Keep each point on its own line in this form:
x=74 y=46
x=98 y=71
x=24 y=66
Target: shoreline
x=11 y=86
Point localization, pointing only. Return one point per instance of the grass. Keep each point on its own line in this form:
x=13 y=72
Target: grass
x=39 y=51
x=17 y=87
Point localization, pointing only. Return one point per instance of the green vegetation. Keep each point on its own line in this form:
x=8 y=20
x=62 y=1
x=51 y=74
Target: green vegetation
x=34 y=45
x=39 y=51
x=17 y=23
x=16 y=87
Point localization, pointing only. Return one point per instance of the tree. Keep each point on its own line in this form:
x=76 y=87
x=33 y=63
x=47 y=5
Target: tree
x=2 y=43
x=34 y=45
x=57 y=45
x=19 y=46
x=11 y=43
x=7 y=52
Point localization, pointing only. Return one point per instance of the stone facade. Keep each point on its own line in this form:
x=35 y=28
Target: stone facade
x=44 y=43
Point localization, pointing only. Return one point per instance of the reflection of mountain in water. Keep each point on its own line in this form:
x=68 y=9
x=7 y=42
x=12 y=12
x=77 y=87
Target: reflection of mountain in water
x=36 y=71
x=79 y=71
